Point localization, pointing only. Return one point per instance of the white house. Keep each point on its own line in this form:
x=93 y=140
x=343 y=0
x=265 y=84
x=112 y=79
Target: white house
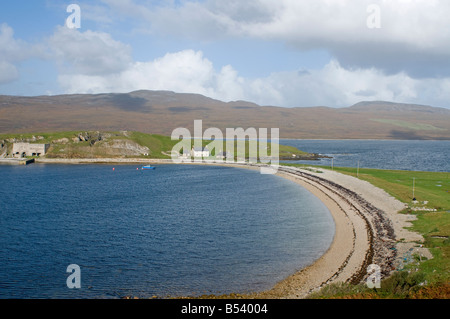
x=200 y=152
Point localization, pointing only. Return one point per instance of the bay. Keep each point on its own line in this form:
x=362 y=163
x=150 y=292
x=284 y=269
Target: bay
x=178 y=230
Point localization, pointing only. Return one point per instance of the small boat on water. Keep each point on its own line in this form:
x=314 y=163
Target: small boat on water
x=148 y=167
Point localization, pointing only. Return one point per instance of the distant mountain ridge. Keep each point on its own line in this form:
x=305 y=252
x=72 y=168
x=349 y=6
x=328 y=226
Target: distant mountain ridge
x=160 y=112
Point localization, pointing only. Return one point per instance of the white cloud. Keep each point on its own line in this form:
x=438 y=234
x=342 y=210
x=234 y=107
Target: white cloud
x=412 y=34
x=185 y=71
x=94 y=62
x=335 y=86
x=12 y=52
x=189 y=71
x=89 y=52
x=8 y=72
x=9 y=46
x=404 y=61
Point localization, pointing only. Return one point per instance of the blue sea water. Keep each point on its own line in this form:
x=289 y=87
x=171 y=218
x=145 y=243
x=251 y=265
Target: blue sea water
x=383 y=154
x=177 y=230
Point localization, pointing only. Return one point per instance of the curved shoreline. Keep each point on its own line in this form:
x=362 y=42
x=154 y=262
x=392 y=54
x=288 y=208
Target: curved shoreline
x=332 y=265
x=367 y=228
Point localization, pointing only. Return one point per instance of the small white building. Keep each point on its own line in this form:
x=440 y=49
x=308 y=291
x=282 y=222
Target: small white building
x=200 y=152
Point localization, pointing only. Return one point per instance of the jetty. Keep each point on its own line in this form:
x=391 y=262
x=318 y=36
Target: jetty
x=16 y=161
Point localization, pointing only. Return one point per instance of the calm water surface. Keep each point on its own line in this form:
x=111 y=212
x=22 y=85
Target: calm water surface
x=177 y=230
x=403 y=155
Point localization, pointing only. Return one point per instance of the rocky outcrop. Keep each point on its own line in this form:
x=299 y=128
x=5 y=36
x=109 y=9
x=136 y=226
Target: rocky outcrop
x=63 y=140
x=126 y=148
x=111 y=145
x=91 y=137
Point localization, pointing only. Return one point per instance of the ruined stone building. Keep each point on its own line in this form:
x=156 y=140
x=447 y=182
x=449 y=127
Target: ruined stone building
x=27 y=149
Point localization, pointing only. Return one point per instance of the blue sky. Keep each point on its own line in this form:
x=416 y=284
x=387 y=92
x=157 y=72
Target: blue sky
x=289 y=53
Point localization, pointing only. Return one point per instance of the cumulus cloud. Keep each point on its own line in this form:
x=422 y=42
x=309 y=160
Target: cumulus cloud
x=89 y=52
x=332 y=85
x=12 y=52
x=413 y=36
x=8 y=72
x=95 y=62
x=185 y=72
x=188 y=71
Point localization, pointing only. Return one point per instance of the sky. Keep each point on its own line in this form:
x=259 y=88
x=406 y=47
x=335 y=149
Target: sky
x=289 y=53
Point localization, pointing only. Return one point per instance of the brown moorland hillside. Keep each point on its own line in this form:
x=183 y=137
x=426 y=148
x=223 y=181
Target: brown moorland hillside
x=160 y=112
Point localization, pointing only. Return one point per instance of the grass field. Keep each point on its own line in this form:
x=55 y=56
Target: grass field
x=431 y=187
x=432 y=208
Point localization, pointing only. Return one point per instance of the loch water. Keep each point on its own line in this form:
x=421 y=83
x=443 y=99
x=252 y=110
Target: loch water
x=177 y=230
x=411 y=155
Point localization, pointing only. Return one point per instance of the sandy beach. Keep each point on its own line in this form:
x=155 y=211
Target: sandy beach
x=368 y=228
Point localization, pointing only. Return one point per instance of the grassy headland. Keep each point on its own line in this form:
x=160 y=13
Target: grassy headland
x=123 y=144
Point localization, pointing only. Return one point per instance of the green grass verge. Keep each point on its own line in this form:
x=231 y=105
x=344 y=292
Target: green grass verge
x=156 y=143
x=431 y=187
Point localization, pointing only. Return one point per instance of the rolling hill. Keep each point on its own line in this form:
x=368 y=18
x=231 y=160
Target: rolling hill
x=160 y=112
